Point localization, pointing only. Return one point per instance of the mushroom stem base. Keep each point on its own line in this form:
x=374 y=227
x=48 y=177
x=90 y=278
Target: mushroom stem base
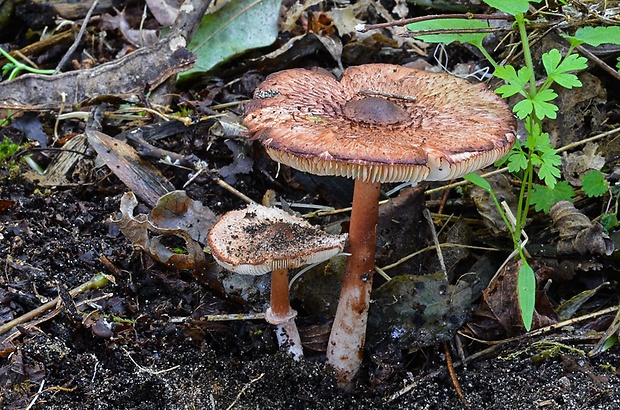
x=346 y=343
x=283 y=316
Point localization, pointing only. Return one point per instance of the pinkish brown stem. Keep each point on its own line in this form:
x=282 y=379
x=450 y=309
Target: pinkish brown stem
x=346 y=342
x=282 y=315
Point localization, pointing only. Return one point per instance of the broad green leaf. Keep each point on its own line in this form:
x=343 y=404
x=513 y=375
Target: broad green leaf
x=595 y=36
x=511 y=7
x=450 y=24
x=593 y=183
x=235 y=28
x=526 y=289
x=544 y=197
x=478 y=181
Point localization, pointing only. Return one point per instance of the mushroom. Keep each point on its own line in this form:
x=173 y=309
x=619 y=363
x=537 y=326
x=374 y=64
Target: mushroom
x=380 y=123
x=258 y=240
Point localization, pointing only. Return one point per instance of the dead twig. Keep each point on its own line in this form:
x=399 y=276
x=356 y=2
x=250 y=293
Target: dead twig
x=77 y=39
x=96 y=282
x=452 y=373
x=399 y=23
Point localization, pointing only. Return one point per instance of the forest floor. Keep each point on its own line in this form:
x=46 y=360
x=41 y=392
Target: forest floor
x=146 y=335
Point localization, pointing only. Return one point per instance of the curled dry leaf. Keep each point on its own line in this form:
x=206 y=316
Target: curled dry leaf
x=185 y=224
x=577 y=233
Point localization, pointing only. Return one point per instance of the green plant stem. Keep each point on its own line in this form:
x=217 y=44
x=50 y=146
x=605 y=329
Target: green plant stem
x=527 y=55
x=486 y=55
x=19 y=66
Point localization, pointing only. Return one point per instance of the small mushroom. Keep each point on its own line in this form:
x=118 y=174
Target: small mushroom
x=258 y=240
x=379 y=123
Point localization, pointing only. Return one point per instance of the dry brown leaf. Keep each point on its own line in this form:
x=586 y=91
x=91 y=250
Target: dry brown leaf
x=577 y=233
x=187 y=216
x=139 y=175
x=576 y=164
x=498 y=314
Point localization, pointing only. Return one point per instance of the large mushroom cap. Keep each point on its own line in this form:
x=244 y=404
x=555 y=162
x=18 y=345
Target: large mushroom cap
x=257 y=240
x=381 y=123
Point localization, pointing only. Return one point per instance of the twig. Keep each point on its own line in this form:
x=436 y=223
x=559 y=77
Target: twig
x=452 y=373
x=430 y=248
x=220 y=318
x=500 y=345
x=366 y=27
x=442 y=264
x=243 y=389
x=147 y=370
x=96 y=282
x=78 y=38
x=36 y=396
x=599 y=62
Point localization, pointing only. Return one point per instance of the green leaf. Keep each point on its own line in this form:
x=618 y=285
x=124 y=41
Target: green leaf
x=478 y=181
x=523 y=108
x=557 y=70
x=549 y=170
x=609 y=221
x=595 y=36
x=526 y=290
x=517 y=161
x=544 y=197
x=512 y=7
x=450 y=24
x=594 y=184
x=516 y=81
x=237 y=27
x=542 y=108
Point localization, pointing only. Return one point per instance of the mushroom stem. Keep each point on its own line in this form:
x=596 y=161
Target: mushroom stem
x=346 y=342
x=282 y=315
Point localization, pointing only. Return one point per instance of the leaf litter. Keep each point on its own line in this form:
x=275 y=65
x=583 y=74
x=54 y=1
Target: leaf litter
x=155 y=331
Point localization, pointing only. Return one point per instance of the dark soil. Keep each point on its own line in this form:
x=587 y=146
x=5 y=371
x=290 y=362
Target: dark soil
x=141 y=341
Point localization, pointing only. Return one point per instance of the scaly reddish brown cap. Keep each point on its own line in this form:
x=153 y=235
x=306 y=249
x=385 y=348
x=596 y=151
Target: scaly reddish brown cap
x=380 y=123
x=257 y=240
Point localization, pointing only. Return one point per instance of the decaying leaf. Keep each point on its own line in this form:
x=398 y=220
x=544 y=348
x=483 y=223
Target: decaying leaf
x=498 y=314
x=413 y=311
x=401 y=217
x=164 y=11
x=577 y=233
x=139 y=175
x=136 y=36
x=242 y=162
x=181 y=216
x=176 y=211
x=576 y=164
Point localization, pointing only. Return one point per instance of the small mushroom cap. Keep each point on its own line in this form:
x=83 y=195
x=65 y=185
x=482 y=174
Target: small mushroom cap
x=257 y=240
x=381 y=123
